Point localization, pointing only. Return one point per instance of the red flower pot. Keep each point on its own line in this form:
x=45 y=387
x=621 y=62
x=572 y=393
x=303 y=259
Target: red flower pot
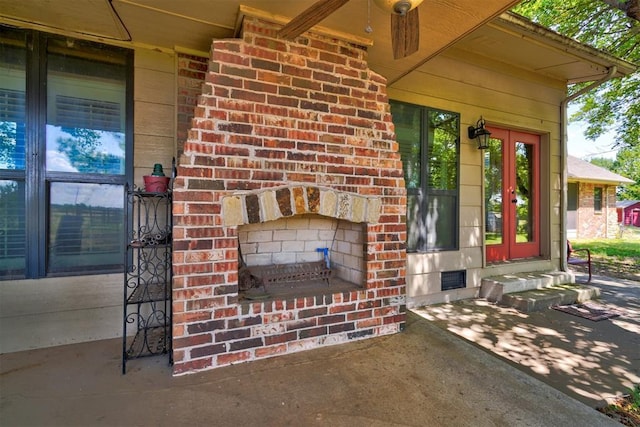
x=155 y=184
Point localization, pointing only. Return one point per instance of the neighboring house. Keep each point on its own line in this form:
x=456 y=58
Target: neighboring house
x=295 y=145
x=591 y=200
x=628 y=212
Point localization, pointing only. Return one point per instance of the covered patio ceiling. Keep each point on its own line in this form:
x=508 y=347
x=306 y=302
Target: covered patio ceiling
x=513 y=40
x=192 y=24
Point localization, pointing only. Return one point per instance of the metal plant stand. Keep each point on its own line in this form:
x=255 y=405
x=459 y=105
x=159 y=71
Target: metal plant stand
x=147 y=278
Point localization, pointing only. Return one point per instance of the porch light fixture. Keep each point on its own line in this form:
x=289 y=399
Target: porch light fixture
x=480 y=132
x=399 y=7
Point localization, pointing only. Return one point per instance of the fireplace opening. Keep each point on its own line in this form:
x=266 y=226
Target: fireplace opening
x=299 y=256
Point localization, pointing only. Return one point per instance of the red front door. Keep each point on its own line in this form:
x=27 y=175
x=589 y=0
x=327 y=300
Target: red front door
x=512 y=194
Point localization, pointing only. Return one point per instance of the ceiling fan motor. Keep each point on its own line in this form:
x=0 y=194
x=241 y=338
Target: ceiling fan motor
x=398 y=7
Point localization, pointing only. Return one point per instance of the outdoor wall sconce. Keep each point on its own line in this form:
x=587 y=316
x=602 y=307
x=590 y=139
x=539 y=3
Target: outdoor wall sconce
x=480 y=132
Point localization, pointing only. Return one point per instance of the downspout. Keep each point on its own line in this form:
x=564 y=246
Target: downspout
x=563 y=159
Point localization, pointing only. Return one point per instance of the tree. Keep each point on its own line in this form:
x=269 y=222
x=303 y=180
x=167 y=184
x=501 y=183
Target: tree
x=616 y=30
x=82 y=148
x=8 y=140
x=627 y=164
x=603 y=162
x=630 y=7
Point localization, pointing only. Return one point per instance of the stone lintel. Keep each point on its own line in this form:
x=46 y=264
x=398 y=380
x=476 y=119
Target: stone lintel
x=278 y=202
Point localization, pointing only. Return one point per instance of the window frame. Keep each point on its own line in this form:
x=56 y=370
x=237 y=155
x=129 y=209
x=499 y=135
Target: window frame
x=427 y=193
x=573 y=196
x=36 y=178
x=598 y=194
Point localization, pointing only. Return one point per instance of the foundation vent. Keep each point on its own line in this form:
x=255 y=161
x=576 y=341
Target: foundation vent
x=453 y=280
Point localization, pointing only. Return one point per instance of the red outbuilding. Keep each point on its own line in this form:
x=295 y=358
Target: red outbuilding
x=628 y=212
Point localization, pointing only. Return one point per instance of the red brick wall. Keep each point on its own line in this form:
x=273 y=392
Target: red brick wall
x=274 y=113
x=592 y=224
x=192 y=71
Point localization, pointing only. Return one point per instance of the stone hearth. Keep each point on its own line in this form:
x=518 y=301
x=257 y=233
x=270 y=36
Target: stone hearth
x=286 y=133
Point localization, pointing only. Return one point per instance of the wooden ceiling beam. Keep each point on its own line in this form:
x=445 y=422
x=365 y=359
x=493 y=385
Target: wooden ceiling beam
x=310 y=17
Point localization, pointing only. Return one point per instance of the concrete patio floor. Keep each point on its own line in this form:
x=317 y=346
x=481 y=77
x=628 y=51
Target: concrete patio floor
x=590 y=361
x=425 y=376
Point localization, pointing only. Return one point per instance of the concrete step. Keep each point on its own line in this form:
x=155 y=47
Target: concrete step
x=495 y=287
x=542 y=299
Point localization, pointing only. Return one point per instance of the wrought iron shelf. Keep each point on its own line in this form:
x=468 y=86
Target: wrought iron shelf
x=149 y=342
x=141 y=245
x=149 y=293
x=147 y=276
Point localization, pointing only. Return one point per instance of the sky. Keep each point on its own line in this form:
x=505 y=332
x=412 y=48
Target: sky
x=586 y=149
x=579 y=146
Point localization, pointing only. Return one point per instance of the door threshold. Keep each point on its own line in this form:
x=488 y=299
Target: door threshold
x=516 y=261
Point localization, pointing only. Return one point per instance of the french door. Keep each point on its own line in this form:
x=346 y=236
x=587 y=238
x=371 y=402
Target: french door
x=512 y=195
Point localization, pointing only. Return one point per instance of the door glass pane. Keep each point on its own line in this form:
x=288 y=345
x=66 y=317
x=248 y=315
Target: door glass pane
x=524 y=192
x=12 y=229
x=12 y=105
x=85 y=110
x=85 y=227
x=493 y=232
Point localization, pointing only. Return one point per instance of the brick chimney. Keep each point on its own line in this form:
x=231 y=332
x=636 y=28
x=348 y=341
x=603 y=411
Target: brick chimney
x=285 y=130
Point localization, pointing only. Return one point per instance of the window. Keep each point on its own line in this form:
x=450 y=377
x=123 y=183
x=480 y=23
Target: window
x=65 y=154
x=572 y=196
x=597 y=199
x=429 y=142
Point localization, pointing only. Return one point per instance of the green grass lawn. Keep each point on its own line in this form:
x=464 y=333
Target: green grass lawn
x=615 y=257
x=620 y=248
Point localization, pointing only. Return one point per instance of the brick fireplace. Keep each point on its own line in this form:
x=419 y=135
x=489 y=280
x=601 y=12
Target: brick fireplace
x=291 y=151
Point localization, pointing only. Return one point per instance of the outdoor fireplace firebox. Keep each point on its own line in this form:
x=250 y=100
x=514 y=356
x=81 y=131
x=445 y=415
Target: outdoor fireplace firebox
x=289 y=205
x=301 y=254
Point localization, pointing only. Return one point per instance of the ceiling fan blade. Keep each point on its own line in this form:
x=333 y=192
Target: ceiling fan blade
x=310 y=17
x=405 y=33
